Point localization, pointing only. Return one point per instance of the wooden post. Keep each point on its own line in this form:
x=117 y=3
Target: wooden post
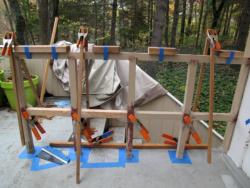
x=46 y=70
x=189 y=91
x=19 y=116
x=76 y=78
x=238 y=94
x=131 y=99
x=211 y=105
x=18 y=84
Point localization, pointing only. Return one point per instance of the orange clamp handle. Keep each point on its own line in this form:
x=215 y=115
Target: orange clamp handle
x=145 y=135
x=170 y=142
x=168 y=136
x=75 y=115
x=105 y=140
x=196 y=137
x=25 y=114
x=187 y=119
x=132 y=118
x=36 y=134
x=39 y=127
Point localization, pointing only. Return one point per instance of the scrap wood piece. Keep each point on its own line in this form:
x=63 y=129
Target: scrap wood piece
x=167 y=51
x=123 y=145
x=111 y=49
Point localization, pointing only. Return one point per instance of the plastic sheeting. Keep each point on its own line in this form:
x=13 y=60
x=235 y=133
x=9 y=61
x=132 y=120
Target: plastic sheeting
x=109 y=80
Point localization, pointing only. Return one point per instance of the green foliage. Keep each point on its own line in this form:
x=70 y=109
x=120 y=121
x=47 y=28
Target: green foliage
x=173 y=78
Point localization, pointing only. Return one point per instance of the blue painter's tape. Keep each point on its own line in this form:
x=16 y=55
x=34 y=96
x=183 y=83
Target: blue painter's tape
x=62 y=103
x=25 y=155
x=184 y=160
x=134 y=158
x=54 y=54
x=27 y=53
x=105 y=53
x=57 y=153
x=161 y=55
x=230 y=58
x=247 y=122
x=35 y=166
x=120 y=163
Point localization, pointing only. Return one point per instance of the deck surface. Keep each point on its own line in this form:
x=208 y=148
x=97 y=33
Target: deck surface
x=154 y=168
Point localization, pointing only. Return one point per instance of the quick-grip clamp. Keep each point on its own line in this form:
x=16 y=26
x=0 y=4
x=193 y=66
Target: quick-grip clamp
x=75 y=116
x=7 y=43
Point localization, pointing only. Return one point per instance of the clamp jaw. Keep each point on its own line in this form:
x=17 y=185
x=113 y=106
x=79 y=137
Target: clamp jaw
x=212 y=36
x=82 y=35
x=7 y=43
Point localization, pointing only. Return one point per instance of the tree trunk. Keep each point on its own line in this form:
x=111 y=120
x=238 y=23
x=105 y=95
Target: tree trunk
x=183 y=20
x=103 y=20
x=19 y=21
x=113 y=22
x=204 y=21
x=159 y=23
x=96 y=27
x=229 y=18
x=190 y=16
x=199 y=23
x=167 y=23
x=175 y=23
x=53 y=11
x=217 y=12
x=43 y=20
x=243 y=25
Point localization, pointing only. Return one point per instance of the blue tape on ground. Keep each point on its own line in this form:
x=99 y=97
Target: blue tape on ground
x=27 y=53
x=54 y=53
x=230 y=58
x=120 y=163
x=247 y=122
x=25 y=155
x=184 y=160
x=63 y=103
x=35 y=165
x=134 y=158
x=105 y=53
x=161 y=55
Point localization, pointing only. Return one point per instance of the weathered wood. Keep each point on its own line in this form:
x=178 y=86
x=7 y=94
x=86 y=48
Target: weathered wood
x=46 y=69
x=44 y=51
x=19 y=116
x=238 y=94
x=18 y=82
x=123 y=145
x=211 y=105
x=167 y=51
x=74 y=97
x=130 y=104
x=121 y=114
x=188 y=98
x=41 y=49
x=111 y=49
x=226 y=53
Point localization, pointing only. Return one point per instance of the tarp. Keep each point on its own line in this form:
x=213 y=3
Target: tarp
x=109 y=80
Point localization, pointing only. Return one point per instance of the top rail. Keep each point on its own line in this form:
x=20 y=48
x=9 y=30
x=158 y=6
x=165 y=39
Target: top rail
x=63 y=52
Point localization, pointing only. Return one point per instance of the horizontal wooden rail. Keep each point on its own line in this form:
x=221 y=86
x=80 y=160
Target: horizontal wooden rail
x=123 y=145
x=121 y=114
x=43 y=51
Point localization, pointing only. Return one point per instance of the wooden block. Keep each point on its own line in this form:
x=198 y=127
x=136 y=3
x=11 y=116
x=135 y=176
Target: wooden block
x=226 y=53
x=167 y=51
x=41 y=48
x=112 y=49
